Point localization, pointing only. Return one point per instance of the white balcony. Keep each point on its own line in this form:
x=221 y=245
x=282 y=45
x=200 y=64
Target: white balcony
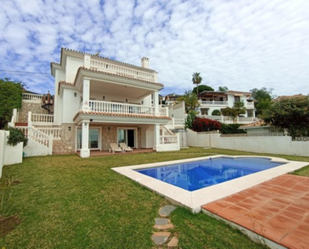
x=122 y=108
x=122 y=71
x=213 y=103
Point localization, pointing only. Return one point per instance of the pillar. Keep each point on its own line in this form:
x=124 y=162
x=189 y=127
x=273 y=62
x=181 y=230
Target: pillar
x=85 y=152
x=86 y=94
x=156 y=103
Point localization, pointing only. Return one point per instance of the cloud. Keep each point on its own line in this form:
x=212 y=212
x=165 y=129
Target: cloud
x=238 y=44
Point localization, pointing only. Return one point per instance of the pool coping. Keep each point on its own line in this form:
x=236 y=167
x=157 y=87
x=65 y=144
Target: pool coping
x=195 y=199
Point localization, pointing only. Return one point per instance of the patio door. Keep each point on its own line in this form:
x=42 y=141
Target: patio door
x=93 y=140
x=127 y=136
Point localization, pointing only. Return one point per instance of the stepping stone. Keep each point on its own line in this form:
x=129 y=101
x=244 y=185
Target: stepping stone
x=162 y=221
x=173 y=243
x=159 y=238
x=163 y=224
x=166 y=210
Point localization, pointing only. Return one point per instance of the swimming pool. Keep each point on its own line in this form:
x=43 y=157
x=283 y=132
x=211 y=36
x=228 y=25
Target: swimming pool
x=194 y=199
x=200 y=174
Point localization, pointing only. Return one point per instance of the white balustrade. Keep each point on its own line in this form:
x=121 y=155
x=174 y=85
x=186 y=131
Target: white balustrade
x=121 y=108
x=39 y=119
x=32 y=97
x=168 y=139
x=55 y=132
x=163 y=111
x=121 y=70
x=221 y=103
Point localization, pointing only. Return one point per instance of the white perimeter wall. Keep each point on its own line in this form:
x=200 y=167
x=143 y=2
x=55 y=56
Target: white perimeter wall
x=9 y=154
x=34 y=148
x=259 y=144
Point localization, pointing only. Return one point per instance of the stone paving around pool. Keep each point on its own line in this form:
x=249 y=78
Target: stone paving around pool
x=162 y=225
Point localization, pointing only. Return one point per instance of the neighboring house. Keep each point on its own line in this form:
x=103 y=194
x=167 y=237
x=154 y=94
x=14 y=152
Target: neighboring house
x=260 y=128
x=213 y=101
x=99 y=101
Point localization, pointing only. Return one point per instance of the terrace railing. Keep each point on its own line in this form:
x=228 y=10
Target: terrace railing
x=212 y=103
x=121 y=70
x=30 y=97
x=121 y=108
x=40 y=119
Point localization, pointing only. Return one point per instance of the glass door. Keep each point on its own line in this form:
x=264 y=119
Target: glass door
x=126 y=136
x=93 y=140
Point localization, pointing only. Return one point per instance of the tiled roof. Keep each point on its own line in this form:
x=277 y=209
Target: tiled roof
x=64 y=83
x=106 y=58
x=120 y=115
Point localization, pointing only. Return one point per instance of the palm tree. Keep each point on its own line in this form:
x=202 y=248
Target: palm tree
x=196 y=79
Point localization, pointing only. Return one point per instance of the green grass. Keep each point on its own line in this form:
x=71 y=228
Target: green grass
x=70 y=202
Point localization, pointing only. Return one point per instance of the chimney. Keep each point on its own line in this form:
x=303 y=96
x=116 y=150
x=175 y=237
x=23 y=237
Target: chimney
x=145 y=62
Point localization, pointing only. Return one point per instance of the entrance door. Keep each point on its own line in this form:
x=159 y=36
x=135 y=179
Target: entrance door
x=126 y=136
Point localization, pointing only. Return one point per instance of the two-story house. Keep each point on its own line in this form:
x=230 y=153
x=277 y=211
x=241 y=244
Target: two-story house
x=211 y=103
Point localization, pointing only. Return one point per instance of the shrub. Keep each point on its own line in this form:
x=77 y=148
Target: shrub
x=231 y=129
x=16 y=136
x=216 y=113
x=204 y=124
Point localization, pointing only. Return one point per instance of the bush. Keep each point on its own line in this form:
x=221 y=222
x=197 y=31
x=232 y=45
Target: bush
x=16 y=136
x=231 y=129
x=216 y=113
x=204 y=124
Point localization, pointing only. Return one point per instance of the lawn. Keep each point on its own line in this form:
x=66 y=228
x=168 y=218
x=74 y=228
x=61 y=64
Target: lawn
x=70 y=202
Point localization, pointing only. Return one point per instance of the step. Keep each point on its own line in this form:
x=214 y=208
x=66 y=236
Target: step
x=21 y=124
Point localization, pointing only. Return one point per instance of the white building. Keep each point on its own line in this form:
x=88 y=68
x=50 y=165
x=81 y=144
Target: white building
x=99 y=101
x=212 y=102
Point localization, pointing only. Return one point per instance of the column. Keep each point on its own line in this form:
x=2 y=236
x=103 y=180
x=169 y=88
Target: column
x=156 y=103
x=87 y=59
x=86 y=94
x=85 y=152
x=156 y=139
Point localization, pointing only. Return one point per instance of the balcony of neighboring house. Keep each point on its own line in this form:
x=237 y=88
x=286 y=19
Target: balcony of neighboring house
x=213 y=103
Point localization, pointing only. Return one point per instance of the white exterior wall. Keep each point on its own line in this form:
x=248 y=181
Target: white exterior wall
x=258 y=144
x=147 y=101
x=121 y=97
x=59 y=76
x=72 y=65
x=177 y=110
x=147 y=136
x=34 y=148
x=9 y=154
x=70 y=105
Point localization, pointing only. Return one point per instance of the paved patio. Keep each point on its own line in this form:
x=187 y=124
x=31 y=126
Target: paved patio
x=277 y=209
x=107 y=153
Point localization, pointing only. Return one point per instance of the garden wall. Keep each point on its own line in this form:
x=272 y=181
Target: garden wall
x=9 y=154
x=259 y=144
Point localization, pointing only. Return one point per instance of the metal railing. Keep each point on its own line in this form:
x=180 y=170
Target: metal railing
x=122 y=71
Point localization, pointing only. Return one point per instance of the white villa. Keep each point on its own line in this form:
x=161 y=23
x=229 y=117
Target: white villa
x=98 y=101
x=211 y=101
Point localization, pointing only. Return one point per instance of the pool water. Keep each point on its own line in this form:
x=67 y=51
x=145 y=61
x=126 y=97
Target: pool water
x=200 y=174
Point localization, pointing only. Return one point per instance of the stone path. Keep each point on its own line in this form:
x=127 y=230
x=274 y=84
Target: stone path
x=161 y=236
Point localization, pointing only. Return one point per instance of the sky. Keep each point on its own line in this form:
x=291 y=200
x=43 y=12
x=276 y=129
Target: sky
x=240 y=44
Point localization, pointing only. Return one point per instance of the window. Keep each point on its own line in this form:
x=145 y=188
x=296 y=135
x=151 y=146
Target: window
x=93 y=141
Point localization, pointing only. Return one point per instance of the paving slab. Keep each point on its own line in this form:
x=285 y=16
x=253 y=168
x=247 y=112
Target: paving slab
x=159 y=238
x=166 y=210
x=162 y=221
x=173 y=243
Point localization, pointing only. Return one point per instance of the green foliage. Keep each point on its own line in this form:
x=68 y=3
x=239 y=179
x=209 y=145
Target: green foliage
x=10 y=98
x=16 y=136
x=235 y=111
x=191 y=101
x=190 y=118
x=197 y=79
x=205 y=124
x=202 y=88
x=223 y=88
x=263 y=98
x=291 y=114
x=216 y=113
x=231 y=129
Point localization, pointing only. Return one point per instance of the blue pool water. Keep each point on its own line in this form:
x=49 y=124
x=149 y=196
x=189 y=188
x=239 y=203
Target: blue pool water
x=200 y=174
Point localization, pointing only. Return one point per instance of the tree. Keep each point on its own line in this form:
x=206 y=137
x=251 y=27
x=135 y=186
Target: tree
x=196 y=79
x=235 y=111
x=291 y=114
x=263 y=98
x=10 y=98
x=223 y=88
x=191 y=101
x=202 y=88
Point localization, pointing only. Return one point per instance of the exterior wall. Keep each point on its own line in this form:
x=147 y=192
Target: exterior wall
x=121 y=97
x=9 y=154
x=59 y=76
x=34 y=148
x=33 y=107
x=70 y=105
x=72 y=65
x=147 y=136
x=258 y=144
x=67 y=143
x=177 y=110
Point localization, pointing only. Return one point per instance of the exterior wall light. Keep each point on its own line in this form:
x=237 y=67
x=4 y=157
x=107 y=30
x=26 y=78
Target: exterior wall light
x=75 y=94
x=69 y=128
x=108 y=129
